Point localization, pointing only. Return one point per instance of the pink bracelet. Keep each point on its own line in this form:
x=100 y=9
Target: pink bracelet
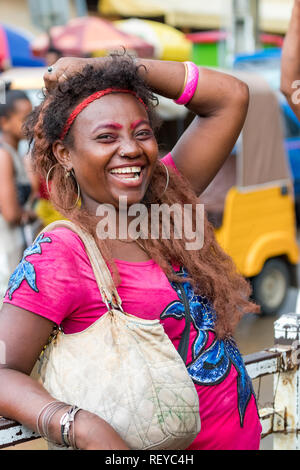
x=190 y=83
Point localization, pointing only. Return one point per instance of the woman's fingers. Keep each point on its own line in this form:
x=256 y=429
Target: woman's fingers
x=56 y=73
x=50 y=79
x=62 y=70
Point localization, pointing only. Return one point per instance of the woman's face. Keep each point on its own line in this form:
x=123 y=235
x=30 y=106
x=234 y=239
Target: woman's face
x=114 y=151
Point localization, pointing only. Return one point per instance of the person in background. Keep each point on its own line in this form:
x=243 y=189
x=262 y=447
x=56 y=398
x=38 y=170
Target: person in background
x=290 y=62
x=15 y=185
x=52 y=55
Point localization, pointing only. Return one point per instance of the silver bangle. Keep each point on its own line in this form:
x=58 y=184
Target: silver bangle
x=45 y=415
x=65 y=425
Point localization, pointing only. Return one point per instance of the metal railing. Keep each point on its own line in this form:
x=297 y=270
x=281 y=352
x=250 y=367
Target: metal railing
x=282 y=361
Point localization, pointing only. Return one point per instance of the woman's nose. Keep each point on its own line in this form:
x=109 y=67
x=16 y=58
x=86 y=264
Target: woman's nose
x=130 y=148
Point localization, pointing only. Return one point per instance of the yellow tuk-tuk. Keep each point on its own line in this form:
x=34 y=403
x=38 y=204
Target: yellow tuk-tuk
x=251 y=201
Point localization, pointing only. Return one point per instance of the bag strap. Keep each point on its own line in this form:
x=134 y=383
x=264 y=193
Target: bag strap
x=102 y=274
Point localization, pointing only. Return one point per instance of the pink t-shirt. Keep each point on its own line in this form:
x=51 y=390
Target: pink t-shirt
x=55 y=280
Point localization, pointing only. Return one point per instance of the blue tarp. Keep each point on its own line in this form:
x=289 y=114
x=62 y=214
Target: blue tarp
x=19 y=48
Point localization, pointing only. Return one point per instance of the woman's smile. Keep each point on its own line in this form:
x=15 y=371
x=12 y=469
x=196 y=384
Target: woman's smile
x=131 y=176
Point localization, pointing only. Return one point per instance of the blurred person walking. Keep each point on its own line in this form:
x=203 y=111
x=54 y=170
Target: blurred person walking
x=15 y=186
x=290 y=62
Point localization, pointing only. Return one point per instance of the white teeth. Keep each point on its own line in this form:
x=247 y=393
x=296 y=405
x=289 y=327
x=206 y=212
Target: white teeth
x=127 y=169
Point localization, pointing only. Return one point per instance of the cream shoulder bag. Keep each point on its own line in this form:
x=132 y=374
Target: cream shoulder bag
x=124 y=369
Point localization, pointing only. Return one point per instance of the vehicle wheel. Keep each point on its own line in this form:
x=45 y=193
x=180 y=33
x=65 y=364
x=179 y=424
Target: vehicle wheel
x=271 y=285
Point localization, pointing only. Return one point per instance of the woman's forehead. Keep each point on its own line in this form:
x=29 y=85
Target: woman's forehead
x=117 y=107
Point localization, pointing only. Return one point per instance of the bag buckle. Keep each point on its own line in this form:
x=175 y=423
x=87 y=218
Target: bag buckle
x=112 y=303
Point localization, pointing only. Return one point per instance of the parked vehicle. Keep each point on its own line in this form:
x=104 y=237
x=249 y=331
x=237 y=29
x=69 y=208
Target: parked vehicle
x=267 y=64
x=251 y=201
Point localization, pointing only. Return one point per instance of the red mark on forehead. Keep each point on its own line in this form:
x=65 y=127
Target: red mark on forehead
x=114 y=125
x=108 y=125
x=138 y=122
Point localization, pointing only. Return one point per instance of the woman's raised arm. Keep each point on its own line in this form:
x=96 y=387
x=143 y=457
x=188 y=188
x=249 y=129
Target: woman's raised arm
x=220 y=104
x=290 y=62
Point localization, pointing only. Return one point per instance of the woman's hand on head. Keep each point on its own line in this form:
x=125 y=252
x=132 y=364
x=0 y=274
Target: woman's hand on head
x=64 y=68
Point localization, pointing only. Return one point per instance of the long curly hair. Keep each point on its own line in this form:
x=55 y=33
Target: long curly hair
x=211 y=271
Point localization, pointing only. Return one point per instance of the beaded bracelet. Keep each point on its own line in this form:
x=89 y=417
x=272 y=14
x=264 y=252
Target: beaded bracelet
x=190 y=83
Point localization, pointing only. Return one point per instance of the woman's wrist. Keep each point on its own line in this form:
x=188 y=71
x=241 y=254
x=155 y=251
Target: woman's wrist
x=80 y=425
x=165 y=78
x=93 y=433
x=90 y=432
x=54 y=427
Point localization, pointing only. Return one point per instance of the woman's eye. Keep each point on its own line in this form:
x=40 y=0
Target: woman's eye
x=105 y=137
x=144 y=133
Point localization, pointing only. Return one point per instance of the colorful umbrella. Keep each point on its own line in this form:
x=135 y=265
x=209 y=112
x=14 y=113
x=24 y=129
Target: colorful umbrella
x=168 y=42
x=4 y=53
x=15 y=47
x=90 y=36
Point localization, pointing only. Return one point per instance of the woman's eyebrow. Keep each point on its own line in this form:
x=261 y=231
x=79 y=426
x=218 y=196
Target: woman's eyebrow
x=137 y=123
x=108 y=125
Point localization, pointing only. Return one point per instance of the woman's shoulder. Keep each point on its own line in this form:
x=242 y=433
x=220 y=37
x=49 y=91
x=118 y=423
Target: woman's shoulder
x=54 y=260
x=47 y=278
x=60 y=244
x=62 y=235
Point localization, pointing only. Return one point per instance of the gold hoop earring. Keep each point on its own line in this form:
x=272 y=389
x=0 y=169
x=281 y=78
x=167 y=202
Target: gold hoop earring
x=47 y=177
x=167 y=183
x=67 y=174
x=71 y=173
x=168 y=178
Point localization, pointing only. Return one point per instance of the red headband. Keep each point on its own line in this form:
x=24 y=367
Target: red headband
x=89 y=100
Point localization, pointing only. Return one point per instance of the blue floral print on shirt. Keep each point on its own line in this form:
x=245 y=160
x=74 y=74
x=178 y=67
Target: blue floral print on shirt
x=210 y=366
x=25 y=270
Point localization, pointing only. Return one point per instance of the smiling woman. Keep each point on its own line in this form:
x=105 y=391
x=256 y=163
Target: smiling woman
x=94 y=138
